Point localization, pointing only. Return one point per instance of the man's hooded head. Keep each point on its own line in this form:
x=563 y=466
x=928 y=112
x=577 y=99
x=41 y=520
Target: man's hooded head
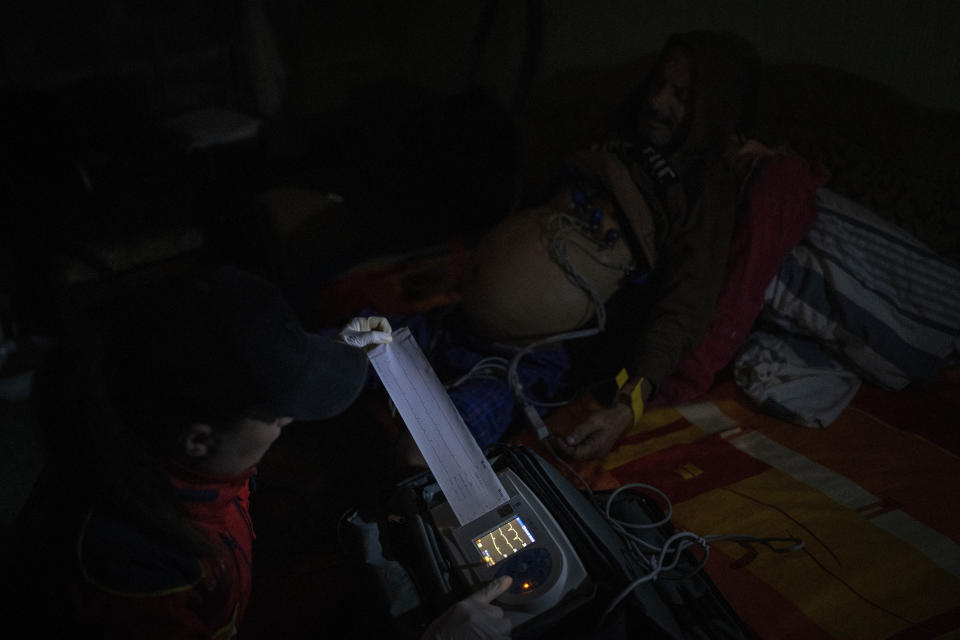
x=701 y=91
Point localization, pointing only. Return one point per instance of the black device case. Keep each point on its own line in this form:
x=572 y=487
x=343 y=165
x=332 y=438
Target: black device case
x=409 y=570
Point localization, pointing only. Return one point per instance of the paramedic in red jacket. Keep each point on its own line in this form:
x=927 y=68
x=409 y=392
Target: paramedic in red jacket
x=139 y=526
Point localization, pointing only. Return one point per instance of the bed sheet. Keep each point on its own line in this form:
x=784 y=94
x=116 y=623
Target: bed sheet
x=874 y=498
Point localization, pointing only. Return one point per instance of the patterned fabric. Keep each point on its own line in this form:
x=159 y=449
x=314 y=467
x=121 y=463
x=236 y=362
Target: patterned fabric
x=792 y=378
x=474 y=371
x=486 y=401
x=872 y=499
x=878 y=295
x=874 y=301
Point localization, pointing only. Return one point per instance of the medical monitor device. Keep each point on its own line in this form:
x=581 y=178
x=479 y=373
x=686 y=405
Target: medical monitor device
x=520 y=539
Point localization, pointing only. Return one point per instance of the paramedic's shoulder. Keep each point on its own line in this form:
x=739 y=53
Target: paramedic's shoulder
x=122 y=559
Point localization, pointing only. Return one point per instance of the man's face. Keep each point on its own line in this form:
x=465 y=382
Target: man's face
x=665 y=117
x=232 y=449
x=244 y=444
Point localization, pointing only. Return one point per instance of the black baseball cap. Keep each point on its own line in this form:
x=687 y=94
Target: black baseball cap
x=228 y=343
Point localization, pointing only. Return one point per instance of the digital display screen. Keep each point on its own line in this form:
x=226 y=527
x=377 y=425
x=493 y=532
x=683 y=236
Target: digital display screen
x=504 y=541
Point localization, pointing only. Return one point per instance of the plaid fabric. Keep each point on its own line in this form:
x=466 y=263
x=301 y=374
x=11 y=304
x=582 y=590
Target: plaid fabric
x=486 y=401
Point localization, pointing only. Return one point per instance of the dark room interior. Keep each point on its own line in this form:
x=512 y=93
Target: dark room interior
x=355 y=153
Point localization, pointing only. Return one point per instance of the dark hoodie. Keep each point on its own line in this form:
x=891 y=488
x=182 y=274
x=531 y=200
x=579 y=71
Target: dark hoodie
x=724 y=77
x=683 y=219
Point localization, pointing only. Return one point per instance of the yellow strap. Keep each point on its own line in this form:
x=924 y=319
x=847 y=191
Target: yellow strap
x=636 y=394
x=622 y=378
x=636 y=401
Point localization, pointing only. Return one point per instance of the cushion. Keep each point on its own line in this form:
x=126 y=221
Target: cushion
x=870 y=293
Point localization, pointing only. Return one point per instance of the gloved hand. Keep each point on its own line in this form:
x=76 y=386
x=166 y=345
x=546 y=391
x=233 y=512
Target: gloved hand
x=361 y=332
x=474 y=617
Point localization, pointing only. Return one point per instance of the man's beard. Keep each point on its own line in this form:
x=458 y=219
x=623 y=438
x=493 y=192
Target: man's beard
x=658 y=129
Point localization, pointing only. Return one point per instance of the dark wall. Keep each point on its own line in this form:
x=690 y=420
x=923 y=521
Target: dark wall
x=408 y=109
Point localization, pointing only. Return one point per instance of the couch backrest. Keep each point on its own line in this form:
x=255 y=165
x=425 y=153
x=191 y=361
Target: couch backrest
x=892 y=155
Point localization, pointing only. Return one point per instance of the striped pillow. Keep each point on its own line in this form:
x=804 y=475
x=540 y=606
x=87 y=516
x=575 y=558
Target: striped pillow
x=870 y=293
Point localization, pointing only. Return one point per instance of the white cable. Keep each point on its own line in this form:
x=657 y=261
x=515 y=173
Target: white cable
x=639 y=485
x=560 y=226
x=658 y=562
x=494 y=363
x=654 y=557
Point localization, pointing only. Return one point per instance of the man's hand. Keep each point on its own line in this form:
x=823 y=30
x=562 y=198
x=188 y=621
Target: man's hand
x=596 y=436
x=474 y=617
x=361 y=332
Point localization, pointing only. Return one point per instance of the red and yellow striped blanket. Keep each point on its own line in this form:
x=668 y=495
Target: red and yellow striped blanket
x=874 y=498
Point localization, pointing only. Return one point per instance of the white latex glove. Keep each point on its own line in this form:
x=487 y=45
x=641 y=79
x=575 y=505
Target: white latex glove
x=474 y=618
x=361 y=332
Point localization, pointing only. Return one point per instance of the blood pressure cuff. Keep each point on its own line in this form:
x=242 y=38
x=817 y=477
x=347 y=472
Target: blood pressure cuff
x=526 y=276
x=514 y=290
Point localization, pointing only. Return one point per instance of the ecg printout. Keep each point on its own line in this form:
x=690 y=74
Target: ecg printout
x=465 y=476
